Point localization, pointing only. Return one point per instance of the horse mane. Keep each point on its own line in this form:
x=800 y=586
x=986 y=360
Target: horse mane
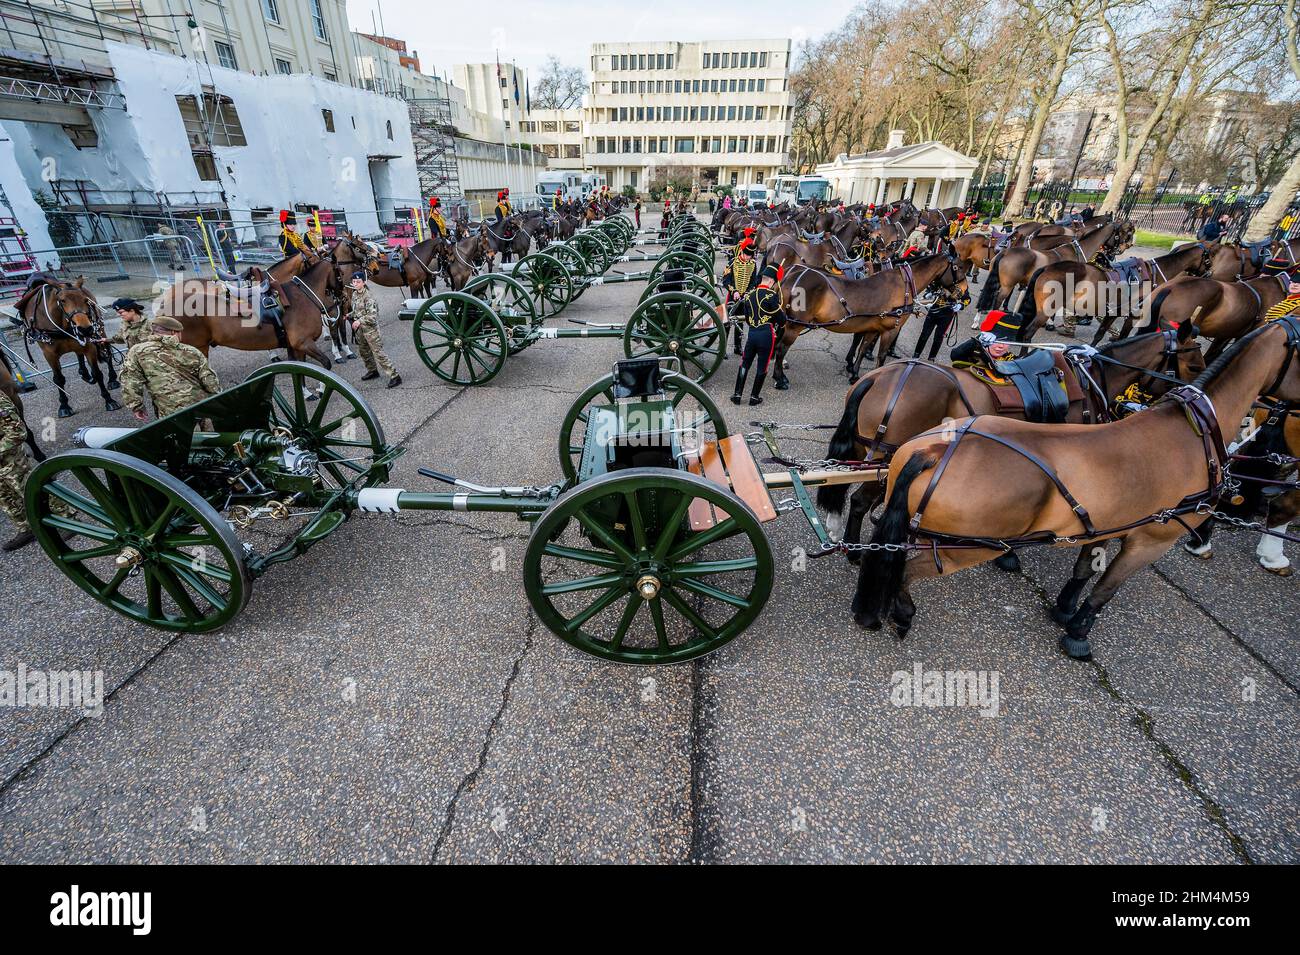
x=1215 y=368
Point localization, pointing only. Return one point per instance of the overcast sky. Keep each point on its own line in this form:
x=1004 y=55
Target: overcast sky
x=529 y=32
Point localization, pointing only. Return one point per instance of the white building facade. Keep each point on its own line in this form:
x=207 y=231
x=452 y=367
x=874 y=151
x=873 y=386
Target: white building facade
x=931 y=174
x=717 y=112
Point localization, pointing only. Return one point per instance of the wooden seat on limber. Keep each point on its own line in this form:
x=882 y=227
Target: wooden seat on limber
x=729 y=463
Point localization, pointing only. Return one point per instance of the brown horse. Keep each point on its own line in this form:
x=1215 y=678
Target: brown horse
x=1268 y=488
x=63 y=318
x=1012 y=267
x=214 y=314
x=878 y=304
x=894 y=404
x=467 y=257
x=1224 y=310
x=10 y=388
x=420 y=266
x=975 y=252
x=507 y=238
x=989 y=484
x=1085 y=289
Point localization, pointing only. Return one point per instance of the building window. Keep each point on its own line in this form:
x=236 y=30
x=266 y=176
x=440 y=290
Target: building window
x=318 y=21
x=283 y=66
x=652 y=145
x=328 y=116
x=549 y=127
x=760 y=112
x=762 y=59
x=731 y=114
x=217 y=125
x=331 y=76
x=572 y=151
x=684 y=144
x=749 y=113
x=389 y=127
x=206 y=166
x=226 y=55
x=572 y=126
x=271 y=11
x=744 y=60
x=761 y=85
x=613 y=62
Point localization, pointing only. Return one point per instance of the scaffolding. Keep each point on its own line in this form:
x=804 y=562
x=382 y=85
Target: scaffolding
x=434 y=137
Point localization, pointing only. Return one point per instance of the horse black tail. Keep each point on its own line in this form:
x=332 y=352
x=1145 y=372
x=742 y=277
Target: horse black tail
x=989 y=290
x=880 y=576
x=1028 y=308
x=830 y=497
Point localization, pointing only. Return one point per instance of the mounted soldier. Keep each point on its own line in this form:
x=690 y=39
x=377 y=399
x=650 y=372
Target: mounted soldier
x=290 y=240
x=436 y=221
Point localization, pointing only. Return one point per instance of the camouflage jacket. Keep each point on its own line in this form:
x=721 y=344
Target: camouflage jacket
x=176 y=375
x=131 y=334
x=365 y=309
x=12 y=430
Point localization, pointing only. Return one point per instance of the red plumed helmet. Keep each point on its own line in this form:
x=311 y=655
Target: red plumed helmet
x=991 y=320
x=284 y=216
x=748 y=231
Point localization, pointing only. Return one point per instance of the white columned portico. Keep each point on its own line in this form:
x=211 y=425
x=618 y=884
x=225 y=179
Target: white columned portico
x=910 y=189
x=882 y=190
x=961 y=198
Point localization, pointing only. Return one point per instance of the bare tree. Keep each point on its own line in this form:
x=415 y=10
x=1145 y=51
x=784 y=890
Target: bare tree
x=1058 y=26
x=559 y=86
x=1266 y=219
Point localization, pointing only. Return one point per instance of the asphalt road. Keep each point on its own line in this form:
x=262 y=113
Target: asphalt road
x=390 y=697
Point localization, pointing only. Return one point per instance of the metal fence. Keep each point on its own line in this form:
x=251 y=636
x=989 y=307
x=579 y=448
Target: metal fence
x=131 y=267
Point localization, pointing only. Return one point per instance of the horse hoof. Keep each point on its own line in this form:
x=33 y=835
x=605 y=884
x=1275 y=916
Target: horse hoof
x=1283 y=571
x=66 y=412
x=866 y=622
x=1076 y=648
x=1200 y=554
x=1061 y=617
x=111 y=405
x=1008 y=562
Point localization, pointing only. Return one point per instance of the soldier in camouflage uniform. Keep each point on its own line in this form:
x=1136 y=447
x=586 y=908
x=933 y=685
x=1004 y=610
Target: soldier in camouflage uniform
x=134 y=328
x=365 y=329
x=14 y=468
x=175 y=374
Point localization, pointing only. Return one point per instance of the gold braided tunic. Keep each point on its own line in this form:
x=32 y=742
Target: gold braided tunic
x=1288 y=306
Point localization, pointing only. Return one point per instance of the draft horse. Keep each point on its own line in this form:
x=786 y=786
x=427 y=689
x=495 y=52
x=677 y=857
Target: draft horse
x=63 y=318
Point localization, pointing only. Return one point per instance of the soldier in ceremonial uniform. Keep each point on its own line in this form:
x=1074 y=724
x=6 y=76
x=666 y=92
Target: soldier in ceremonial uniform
x=503 y=207
x=134 y=328
x=176 y=375
x=436 y=221
x=738 y=277
x=290 y=240
x=761 y=311
x=365 y=329
x=1288 y=306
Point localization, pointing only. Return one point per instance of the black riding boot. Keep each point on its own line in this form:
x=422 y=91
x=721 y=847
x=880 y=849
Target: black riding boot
x=740 y=385
x=736 y=340
x=754 y=399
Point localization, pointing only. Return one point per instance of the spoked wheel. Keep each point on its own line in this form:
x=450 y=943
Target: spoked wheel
x=697 y=417
x=614 y=569
x=138 y=540
x=511 y=302
x=681 y=259
x=460 y=338
x=577 y=265
x=329 y=417
x=596 y=249
x=689 y=282
x=677 y=324
x=551 y=283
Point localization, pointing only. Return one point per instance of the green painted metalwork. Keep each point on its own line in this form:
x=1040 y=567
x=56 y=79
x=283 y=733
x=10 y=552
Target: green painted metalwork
x=460 y=338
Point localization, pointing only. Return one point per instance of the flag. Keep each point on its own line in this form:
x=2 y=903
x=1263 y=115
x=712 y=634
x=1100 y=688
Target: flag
x=528 y=97
x=498 y=66
x=515 y=70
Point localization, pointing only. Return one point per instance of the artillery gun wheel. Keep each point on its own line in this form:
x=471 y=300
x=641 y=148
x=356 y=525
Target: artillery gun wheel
x=511 y=302
x=681 y=325
x=695 y=284
x=596 y=249
x=138 y=540
x=463 y=342
x=329 y=417
x=681 y=259
x=575 y=262
x=691 y=403
x=614 y=569
x=549 y=280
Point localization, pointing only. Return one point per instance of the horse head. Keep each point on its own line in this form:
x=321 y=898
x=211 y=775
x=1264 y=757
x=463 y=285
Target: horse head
x=75 y=306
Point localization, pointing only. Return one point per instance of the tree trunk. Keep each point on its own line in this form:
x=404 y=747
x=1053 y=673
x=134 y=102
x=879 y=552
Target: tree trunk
x=1042 y=110
x=1266 y=219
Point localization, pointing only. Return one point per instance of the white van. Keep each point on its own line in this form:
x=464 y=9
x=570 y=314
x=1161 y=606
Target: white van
x=754 y=195
x=568 y=183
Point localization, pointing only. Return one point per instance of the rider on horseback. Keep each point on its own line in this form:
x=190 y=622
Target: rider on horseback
x=290 y=240
x=436 y=221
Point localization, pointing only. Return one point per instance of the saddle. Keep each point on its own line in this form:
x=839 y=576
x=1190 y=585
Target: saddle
x=35 y=283
x=1259 y=251
x=255 y=299
x=811 y=238
x=1038 y=386
x=856 y=269
x=1126 y=271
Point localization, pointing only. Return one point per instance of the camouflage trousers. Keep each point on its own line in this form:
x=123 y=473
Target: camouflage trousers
x=14 y=468
x=370 y=349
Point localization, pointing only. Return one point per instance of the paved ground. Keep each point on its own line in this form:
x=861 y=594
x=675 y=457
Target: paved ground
x=389 y=697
